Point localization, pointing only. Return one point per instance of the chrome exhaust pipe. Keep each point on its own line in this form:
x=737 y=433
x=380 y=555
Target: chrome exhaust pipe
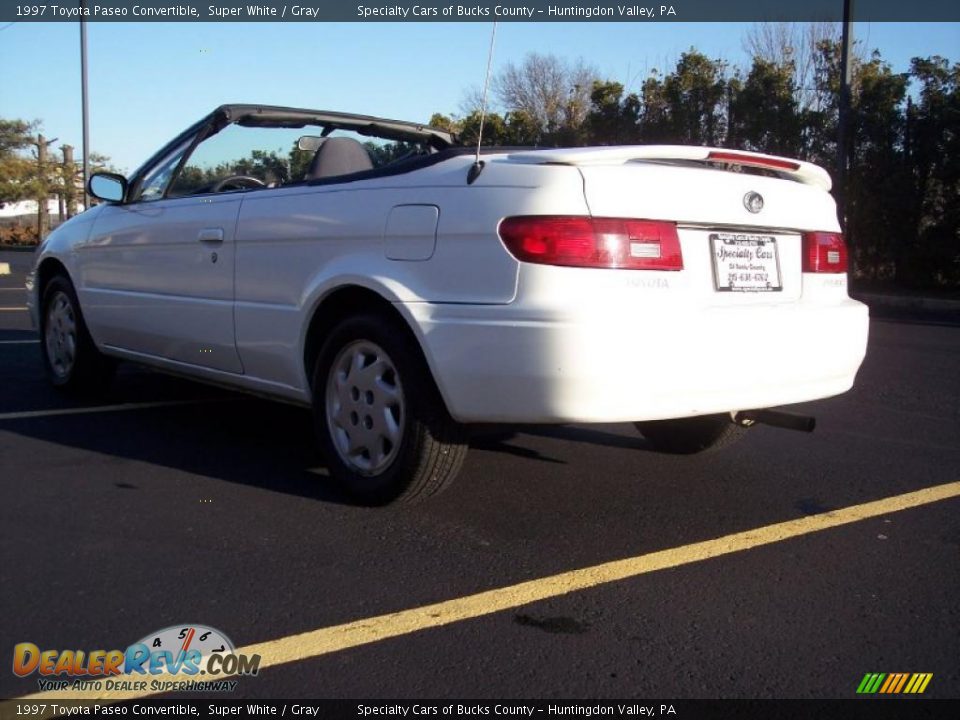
x=787 y=421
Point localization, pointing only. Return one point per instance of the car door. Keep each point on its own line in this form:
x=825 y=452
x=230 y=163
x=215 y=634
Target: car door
x=157 y=274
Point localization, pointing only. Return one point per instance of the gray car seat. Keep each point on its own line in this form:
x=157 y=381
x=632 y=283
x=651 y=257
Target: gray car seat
x=339 y=156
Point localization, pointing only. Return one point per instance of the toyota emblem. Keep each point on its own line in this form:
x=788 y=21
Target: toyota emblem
x=753 y=201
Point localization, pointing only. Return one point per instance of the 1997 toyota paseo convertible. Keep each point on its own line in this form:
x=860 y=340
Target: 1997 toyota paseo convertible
x=405 y=287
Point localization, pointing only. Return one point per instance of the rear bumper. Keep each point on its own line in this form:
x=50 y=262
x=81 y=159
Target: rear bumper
x=511 y=364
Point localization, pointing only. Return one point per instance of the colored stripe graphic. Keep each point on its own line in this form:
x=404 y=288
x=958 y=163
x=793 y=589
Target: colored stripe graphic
x=897 y=682
x=894 y=683
x=891 y=680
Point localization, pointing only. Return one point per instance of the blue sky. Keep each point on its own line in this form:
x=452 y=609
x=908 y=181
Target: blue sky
x=148 y=81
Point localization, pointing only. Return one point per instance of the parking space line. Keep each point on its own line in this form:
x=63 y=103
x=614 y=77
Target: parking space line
x=24 y=415
x=22 y=308
x=324 y=641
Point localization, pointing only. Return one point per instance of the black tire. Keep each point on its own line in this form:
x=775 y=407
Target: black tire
x=89 y=371
x=687 y=436
x=400 y=445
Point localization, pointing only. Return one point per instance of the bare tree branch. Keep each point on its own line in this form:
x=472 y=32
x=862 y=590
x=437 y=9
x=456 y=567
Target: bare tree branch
x=554 y=92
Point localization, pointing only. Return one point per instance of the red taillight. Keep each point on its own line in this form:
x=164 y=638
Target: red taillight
x=593 y=242
x=824 y=252
x=753 y=160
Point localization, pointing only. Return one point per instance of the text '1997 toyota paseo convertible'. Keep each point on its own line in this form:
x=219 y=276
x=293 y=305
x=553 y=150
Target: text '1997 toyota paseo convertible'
x=405 y=287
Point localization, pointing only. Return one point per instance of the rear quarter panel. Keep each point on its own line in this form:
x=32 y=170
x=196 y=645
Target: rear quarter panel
x=297 y=245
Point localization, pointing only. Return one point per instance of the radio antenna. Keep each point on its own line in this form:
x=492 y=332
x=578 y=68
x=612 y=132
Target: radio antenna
x=477 y=166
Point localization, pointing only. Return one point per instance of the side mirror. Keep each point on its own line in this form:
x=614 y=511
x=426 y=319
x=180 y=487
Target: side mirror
x=108 y=186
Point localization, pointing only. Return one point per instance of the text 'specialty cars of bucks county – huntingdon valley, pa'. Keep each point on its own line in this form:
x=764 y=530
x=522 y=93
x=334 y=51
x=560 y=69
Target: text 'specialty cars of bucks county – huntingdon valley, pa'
x=404 y=287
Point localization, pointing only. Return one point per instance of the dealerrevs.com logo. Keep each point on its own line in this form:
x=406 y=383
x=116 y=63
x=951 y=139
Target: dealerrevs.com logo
x=178 y=658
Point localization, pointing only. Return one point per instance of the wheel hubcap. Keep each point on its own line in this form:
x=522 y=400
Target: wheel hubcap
x=365 y=407
x=60 y=335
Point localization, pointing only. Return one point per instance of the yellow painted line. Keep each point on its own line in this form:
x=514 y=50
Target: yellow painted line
x=926 y=681
x=103 y=408
x=324 y=641
x=913 y=681
x=13 y=309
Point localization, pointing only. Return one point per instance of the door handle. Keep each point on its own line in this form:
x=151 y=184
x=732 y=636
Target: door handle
x=211 y=235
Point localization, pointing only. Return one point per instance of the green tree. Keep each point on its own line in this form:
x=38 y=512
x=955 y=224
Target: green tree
x=515 y=129
x=689 y=105
x=444 y=122
x=933 y=158
x=385 y=153
x=298 y=161
x=23 y=177
x=520 y=129
x=764 y=114
x=18 y=175
x=879 y=197
x=494 y=129
x=613 y=119
x=821 y=119
x=655 y=119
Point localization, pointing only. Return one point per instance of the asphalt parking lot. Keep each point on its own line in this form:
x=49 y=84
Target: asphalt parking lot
x=171 y=503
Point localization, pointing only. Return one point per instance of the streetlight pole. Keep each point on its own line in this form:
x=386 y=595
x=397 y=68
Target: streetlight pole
x=843 y=119
x=85 y=107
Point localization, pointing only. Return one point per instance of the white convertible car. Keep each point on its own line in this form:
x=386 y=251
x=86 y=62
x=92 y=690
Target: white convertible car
x=404 y=287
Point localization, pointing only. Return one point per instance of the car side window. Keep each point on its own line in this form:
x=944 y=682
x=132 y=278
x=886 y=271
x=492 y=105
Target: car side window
x=155 y=184
x=239 y=157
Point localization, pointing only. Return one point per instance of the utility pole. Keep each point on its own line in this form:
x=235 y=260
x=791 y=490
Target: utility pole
x=85 y=107
x=43 y=194
x=843 y=119
x=69 y=181
x=61 y=205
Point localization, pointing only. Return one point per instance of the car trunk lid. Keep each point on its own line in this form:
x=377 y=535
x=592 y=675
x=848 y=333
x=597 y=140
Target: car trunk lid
x=740 y=232
x=798 y=170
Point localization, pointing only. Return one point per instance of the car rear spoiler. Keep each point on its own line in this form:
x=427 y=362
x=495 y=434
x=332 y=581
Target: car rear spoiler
x=803 y=172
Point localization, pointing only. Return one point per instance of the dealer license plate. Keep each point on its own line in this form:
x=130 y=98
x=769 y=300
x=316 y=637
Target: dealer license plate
x=745 y=263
